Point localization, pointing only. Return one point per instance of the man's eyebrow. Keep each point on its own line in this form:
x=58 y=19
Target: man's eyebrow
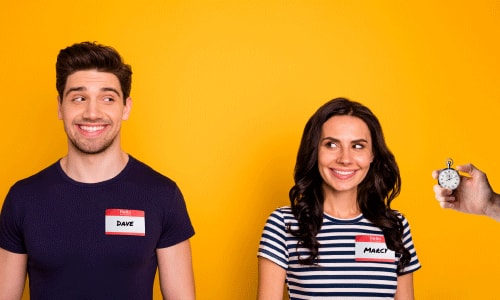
x=75 y=89
x=110 y=89
x=82 y=88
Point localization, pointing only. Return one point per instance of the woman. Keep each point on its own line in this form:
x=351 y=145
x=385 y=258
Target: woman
x=339 y=238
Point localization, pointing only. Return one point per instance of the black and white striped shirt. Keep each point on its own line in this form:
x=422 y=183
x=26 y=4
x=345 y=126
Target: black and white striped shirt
x=354 y=261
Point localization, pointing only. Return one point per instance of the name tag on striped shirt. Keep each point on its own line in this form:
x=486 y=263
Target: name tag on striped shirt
x=125 y=222
x=373 y=248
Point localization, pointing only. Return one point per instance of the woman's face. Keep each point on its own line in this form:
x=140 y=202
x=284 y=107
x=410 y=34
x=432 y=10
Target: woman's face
x=344 y=153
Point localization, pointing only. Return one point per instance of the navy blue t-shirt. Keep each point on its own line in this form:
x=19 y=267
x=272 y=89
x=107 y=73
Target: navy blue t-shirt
x=77 y=245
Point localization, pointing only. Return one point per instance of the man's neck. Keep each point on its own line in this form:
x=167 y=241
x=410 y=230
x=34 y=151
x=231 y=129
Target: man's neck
x=93 y=168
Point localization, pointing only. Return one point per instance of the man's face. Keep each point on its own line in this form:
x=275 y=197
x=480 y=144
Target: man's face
x=92 y=110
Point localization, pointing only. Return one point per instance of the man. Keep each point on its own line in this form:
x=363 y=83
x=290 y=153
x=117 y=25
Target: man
x=474 y=194
x=98 y=223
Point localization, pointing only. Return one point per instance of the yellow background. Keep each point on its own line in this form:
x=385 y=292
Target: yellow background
x=222 y=90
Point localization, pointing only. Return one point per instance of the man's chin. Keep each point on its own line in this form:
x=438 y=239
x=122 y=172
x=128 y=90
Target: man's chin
x=91 y=149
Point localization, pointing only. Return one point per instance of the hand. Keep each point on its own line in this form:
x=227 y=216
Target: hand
x=474 y=194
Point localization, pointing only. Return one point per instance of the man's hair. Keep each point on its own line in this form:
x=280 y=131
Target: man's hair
x=92 y=56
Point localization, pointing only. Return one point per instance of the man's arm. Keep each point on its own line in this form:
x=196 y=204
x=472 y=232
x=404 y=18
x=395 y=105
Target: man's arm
x=176 y=272
x=12 y=274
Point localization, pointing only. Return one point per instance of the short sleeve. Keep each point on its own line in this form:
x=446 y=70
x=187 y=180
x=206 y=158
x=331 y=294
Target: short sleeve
x=408 y=243
x=177 y=225
x=273 y=240
x=11 y=236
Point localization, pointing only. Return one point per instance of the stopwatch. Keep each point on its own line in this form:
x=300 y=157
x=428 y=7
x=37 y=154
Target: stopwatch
x=449 y=178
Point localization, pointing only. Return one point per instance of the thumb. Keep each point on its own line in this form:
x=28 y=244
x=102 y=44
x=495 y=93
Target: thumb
x=468 y=168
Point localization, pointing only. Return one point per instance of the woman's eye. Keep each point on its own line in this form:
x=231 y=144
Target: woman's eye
x=358 y=146
x=331 y=145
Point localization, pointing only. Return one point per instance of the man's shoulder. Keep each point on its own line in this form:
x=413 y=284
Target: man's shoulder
x=48 y=173
x=36 y=182
x=143 y=172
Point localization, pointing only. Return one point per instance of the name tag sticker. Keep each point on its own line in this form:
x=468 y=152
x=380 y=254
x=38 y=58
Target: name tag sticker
x=125 y=222
x=373 y=248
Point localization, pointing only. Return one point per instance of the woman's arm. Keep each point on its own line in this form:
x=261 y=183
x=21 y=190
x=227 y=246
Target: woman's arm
x=404 y=290
x=271 y=280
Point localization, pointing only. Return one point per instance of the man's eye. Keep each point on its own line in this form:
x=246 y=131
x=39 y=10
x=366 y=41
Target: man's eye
x=78 y=99
x=109 y=99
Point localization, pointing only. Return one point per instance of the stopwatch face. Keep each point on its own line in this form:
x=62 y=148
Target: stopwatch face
x=449 y=179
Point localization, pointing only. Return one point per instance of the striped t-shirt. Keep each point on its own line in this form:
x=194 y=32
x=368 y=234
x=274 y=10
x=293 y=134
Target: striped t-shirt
x=354 y=261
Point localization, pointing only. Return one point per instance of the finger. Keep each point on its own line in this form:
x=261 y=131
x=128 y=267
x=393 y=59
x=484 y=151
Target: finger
x=435 y=174
x=446 y=204
x=442 y=192
x=447 y=199
x=443 y=196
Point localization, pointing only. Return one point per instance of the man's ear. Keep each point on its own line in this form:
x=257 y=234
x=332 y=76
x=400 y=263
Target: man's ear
x=128 y=108
x=59 y=114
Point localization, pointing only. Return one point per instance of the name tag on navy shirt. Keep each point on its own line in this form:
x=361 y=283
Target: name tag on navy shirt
x=125 y=222
x=372 y=248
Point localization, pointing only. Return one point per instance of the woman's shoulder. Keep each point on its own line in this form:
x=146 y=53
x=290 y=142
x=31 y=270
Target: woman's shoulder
x=280 y=218
x=283 y=213
x=401 y=216
x=283 y=210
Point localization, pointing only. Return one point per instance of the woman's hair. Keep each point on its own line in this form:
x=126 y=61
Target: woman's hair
x=91 y=56
x=381 y=185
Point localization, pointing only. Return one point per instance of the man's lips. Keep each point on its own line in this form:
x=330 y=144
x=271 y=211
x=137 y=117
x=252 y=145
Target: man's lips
x=91 y=128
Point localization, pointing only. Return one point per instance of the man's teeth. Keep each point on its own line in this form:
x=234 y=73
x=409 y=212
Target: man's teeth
x=91 y=128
